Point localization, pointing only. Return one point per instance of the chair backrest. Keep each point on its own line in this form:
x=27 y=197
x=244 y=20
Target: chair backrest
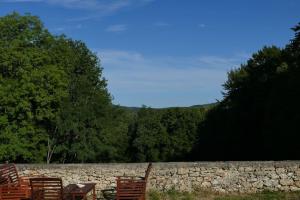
x=148 y=171
x=133 y=189
x=46 y=189
x=9 y=174
x=130 y=189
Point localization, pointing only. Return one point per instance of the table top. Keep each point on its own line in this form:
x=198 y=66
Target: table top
x=74 y=189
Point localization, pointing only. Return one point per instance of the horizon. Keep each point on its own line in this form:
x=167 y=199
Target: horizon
x=165 y=54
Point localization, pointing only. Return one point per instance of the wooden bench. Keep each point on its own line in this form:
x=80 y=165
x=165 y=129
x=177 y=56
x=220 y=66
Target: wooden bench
x=132 y=187
x=13 y=187
x=46 y=189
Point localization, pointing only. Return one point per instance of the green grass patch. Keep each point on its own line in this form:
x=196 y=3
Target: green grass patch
x=208 y=195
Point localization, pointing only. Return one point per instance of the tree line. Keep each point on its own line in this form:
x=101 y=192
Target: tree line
x=55 y=107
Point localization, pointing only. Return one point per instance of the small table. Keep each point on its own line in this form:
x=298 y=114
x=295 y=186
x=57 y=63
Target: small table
x=74 y=191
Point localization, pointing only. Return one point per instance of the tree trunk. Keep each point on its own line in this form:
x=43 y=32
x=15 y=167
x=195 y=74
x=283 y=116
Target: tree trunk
x=50 y=151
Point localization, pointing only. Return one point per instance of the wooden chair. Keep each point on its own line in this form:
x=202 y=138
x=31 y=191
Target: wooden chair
x=132 y=187
x=46 y=189
x=12 y=187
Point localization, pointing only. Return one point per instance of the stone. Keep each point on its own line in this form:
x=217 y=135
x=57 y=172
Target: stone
x=251 y=180
x=182 y=171
x=194 y=174
x=241 y=177
x=215 y=182
x=258 y=184
x=206 y=184
x=297 y=183
x=294 y=189
x=280 y=170
x=249 y=169
x=286 y=182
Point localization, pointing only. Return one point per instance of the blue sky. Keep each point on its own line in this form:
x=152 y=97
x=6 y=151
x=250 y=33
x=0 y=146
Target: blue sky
x=164 y=53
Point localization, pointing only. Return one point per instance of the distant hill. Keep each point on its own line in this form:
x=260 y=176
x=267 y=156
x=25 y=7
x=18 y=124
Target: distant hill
x=136 y=109
x=204 y=105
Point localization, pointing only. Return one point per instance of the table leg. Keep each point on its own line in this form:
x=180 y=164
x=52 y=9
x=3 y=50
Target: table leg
x=94 y=193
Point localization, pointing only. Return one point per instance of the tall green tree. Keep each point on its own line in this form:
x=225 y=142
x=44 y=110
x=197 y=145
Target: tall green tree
x=54 y=105
x=258 y=117
x=149 y=137
x=165 y=134
x=31 y=88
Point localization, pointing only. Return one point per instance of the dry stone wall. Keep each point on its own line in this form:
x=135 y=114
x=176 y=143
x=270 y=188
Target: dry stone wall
x=224 y=177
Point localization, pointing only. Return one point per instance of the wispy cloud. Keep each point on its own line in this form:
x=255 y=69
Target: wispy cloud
x=107 y=6
x=97 y=8
x=58 y=29
x=201 y=25
x=161 y=24
x=78 y=26
x=16 y=1
x=200 y=78
x=116 y=57
x=65 y=28
x=116 y=28
x=82 y=4
x=100 y=5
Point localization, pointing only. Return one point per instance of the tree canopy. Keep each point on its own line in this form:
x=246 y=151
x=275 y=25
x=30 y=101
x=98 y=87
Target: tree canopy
x=55 y=107
x=258 y=117
x=53 y=98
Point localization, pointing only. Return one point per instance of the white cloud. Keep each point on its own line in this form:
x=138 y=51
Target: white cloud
x=58 y=29
x=97 y=8
x=66 y=28
x=201 y=25
x=116 y=57
x=131 y=72
x=16 y=1
x=78 y=26
x=161 y=24
x=106 y=6
x=116 y=28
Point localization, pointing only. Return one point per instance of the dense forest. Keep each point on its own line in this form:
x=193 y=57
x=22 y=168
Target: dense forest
x=55 y=107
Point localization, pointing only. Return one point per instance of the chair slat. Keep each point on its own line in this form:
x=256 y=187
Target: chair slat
x=46 y=189
x=11 y=186
x=132 y=188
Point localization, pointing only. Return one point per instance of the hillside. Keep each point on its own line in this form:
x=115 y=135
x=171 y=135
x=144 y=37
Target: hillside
x=136 y=109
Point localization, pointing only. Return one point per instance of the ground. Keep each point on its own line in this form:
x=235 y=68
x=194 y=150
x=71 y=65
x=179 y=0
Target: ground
x=206 y=195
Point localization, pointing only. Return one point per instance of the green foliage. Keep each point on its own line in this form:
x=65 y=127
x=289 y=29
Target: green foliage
x=31 y=87
x=209 y=195
x=149 y=136
x=266 y=195
x=55 y=107
x=54 y=101
x=258 y=117
x=164 y=135
x=154 y=195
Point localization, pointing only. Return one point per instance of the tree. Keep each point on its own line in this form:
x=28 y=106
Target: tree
x=148 y=136
x=258 y=117
x=164 y=134
x=54 y=101
x=182 y=128
x=31 y=87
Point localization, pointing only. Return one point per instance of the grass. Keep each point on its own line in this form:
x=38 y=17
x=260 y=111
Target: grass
x=207 y=195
